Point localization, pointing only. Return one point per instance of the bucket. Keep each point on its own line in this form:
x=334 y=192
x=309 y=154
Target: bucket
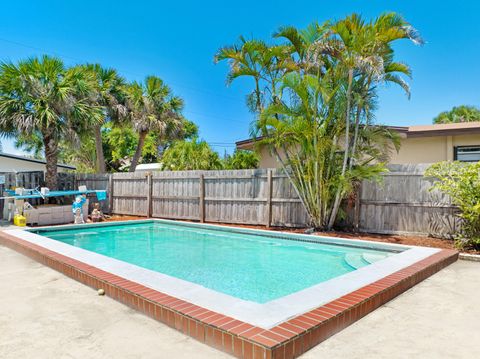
x=19 y=220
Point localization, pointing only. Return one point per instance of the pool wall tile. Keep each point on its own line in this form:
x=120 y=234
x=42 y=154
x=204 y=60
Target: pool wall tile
x=227 y=342
x=284 y=341
x=237 y=347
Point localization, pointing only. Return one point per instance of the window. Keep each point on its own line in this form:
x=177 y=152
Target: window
x=467 y=153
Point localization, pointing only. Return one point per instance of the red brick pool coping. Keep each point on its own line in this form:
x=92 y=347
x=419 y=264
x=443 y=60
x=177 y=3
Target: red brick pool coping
x=287 y=340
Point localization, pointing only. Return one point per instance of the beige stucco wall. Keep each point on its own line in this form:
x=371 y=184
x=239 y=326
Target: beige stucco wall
x=412 y=150
x=266 y=159
x=431 y=149
x=422 y=150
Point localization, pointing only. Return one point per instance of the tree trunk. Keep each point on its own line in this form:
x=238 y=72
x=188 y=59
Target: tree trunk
x=357 y=124
x=51 y=157
x=100 y=158
x=355 y=136
x=138 y=151
x=338 y=195
x=347 y=122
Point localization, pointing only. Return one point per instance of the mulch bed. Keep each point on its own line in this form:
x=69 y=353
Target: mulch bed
x=396 y=239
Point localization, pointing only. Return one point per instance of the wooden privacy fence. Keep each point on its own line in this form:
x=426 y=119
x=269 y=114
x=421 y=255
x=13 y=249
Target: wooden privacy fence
x=258 y=197
x=401 y=203
x=404 y=204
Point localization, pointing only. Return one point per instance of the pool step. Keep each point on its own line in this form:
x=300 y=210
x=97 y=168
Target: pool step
x=372 y=257
x=355 y=260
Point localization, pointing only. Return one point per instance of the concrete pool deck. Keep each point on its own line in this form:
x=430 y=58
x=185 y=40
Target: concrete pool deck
x=45 y=314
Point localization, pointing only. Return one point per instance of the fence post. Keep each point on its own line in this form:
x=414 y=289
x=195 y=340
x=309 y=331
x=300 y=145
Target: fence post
x=149 y=194
x=110 y=193
x=269 y=198
x=201 y=197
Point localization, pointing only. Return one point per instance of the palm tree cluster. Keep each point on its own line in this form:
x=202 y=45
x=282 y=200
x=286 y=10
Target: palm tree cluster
x=198 y=155
x=459 y=114
x=44 y=105
x=191 y=155
x=314 y=96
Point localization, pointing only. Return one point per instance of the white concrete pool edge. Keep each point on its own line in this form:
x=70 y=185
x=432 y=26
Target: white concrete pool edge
x=265 y=315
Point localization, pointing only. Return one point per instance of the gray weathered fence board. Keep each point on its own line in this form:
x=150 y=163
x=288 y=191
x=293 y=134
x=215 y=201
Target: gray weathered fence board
x=130 y=194
x=239 y=196
x=404 y=203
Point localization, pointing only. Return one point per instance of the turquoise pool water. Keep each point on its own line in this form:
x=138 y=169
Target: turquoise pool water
x=252 y=267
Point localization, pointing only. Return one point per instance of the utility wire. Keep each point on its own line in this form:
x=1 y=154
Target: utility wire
x=214 y=144
x=216 y=117
x=121 y=70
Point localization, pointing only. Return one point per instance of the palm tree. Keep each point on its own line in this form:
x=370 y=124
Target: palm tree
x=325 y=91
x=364 y=52
x=265 y=64
x=110 y=95
x=40 y=96
x=153 y=108
x=457 y=114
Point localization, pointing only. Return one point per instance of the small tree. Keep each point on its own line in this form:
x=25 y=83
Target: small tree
x=461 y=182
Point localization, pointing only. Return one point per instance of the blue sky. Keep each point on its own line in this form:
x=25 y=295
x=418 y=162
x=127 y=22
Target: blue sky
x=176 y=40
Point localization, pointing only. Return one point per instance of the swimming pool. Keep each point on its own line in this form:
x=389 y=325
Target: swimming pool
x=253 y=267
x=257 y=276
x=248 y=292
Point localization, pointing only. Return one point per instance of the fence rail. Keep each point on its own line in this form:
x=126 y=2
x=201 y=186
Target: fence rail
x=401 y=203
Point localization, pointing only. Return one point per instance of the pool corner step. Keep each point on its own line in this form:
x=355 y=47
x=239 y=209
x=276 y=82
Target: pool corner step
x=355 y=260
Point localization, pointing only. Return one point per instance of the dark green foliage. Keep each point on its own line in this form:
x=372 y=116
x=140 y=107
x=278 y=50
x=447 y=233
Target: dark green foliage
x=459 y=114
x=241 y=160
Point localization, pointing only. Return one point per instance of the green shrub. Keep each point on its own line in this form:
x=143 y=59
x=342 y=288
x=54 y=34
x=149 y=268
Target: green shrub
x=461 y=182
x=191 y=155
x=241 y=160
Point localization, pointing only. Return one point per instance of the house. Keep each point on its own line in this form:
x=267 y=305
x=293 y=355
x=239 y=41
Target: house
x=419 y=144
x=14 y=163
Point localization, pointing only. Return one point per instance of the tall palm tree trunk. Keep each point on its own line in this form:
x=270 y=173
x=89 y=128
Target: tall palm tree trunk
x=355 y=136
x=51 y=158
x=338 y=195
x=138 y=151
x=100 y=157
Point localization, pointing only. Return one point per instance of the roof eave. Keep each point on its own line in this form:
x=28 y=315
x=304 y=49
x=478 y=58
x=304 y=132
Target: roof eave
x=443 y=132
x=34 y=160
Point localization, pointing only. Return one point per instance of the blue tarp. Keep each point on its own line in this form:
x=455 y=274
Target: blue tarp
x=101 y=195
